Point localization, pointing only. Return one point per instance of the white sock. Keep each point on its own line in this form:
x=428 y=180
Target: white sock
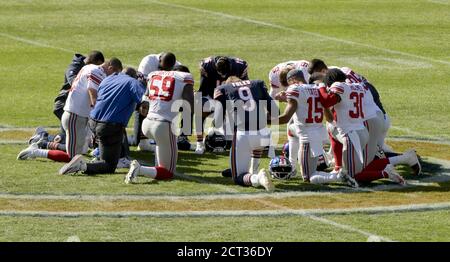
x=294 y=145
x=200 y=144
x=147 y=171
x=255 y=180
x=319 y=177
x=41 y=153
x=254 y=165
x=83 y=166
x=396 y=160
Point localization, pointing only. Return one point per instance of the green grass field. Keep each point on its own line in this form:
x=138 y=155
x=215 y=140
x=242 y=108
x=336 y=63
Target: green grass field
x=400 y=46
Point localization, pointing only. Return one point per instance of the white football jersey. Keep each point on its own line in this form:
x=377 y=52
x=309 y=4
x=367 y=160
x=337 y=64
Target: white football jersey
x=370 y=108
x=352 y=76
x=274 y=74
x=150 y=64
x=310 y=112
x=78 y=101
x=349 y=112
x=164 y=88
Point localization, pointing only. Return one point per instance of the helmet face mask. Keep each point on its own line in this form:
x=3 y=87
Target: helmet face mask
x=215 y=143
x=281 y=168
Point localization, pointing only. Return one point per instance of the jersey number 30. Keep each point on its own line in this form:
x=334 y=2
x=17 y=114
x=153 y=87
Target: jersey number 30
x=161 y=88
x=358 y=103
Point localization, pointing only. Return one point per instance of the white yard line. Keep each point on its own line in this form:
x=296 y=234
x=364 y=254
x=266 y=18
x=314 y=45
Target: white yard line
x=285 y=28
x=425 y=140
x=408 y=131
x=313 y=216
x=12 y=142
x=442 y=2
x=36 y=43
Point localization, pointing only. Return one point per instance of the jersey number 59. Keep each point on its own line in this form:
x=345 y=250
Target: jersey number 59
x=161 y=88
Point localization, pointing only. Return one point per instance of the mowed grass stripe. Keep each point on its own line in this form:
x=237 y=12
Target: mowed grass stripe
x=216 y=14
x=326 y=201
x=243 y=212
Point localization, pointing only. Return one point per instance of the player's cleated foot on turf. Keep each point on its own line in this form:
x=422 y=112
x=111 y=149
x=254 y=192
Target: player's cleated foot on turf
x=347 y=179
x=200 y=149
x=264 y=180
x=144 y=145
x=393 y=175
x=132 y=174
x=413 y=161
x=124 y=163
x=227 y=173
x=75 y=165
x=38 y=134
x=29 y=152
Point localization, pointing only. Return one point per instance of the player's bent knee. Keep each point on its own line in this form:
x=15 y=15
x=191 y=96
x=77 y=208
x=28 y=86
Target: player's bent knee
x=163 y=174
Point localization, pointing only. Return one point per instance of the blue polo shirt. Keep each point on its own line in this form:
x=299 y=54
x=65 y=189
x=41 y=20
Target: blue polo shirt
x=117 y=97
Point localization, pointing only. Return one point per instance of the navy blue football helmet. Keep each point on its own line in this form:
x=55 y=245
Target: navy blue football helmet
x=281 y=168
x=215 y=143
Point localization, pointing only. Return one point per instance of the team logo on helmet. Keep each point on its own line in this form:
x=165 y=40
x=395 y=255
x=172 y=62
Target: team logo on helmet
x=281 y=168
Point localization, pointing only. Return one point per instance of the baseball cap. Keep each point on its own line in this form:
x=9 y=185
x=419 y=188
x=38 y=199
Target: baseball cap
x=295 y=73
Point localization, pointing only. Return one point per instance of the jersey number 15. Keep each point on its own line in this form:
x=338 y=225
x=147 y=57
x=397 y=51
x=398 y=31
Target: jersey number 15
x=314 y=105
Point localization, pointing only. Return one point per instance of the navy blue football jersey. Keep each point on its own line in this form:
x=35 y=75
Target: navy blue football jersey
x=210 y=79
x=248 y=102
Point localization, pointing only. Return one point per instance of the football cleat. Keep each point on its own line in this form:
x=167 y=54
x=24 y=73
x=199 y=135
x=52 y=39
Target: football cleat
x=132 y=174
x=123 y=163
x=38 y=134
x=413 y=161
x=264 y=180
x=144 y=145
x=322 y=163
x=200 y=149
x=347 y=179
x=227 y=173
x=75 y=165
x=29 y=152
x=183 y=143
x=393 y=175
x=95 y=153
